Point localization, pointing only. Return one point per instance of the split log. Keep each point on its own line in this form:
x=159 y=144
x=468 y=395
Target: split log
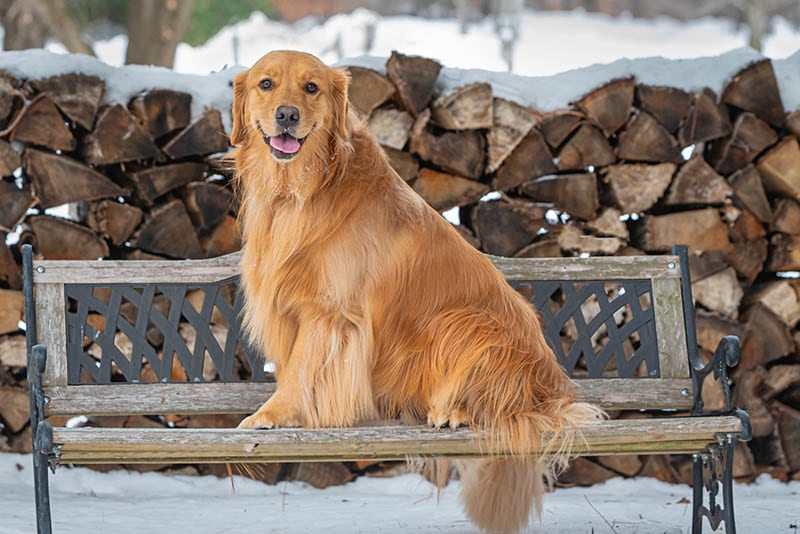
x=588 y=147
x=9 y=270
x=415 y=79
x=571 y=239
x=10 y=160
x=202 y=137
x=77 y=95
x=391 y=127
x=769 y=337
x=505 y=227
x=609 y=105
x=789 y=430
x=636 y=187
x=14 y=352
x=546 y=248
x=14 y=408
x=323 y=474
x=707 y=263
x=169 y=231
x=510 y=124
x=781 y=298
x=223 y=239
x=792 y=122
x=114 y=220
x=154 y=182
x=161 y=111
x=750 y=136
x=368 y=90
x=14 y=204
x=707 y=120
x=467 y=108
x=624 y=464
x=530 y=159
x=12 y=310
x=42 y=124
x=745 y=397
x=749 y=192
x=11 y=102
x=779 y=378
x=712 y=327
x=787 y=217
x=584 y=472
x=748 y=258
x=468 y=235
x=444 y=191
x=644 y=139
x=403 y=163
x=697 y=183
x=575 y=194
x=699 y=229
x=755 y=89
x=719 y=292
x=608 y=224
x=780 y=168
x=208 y=204
x=558 y=126
x=59 y=180
x=460 y=153
x=784 y=253
x=118 y=138
x=60 y=239
x=667 y=105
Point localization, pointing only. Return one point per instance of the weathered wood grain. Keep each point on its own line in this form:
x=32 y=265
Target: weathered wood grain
x=670 y=332
x=51 y=330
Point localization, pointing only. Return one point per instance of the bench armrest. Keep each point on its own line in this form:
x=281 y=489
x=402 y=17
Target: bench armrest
x=726 y=355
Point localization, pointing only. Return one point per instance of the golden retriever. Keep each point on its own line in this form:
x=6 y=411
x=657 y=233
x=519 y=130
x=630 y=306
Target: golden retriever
x=371 y=305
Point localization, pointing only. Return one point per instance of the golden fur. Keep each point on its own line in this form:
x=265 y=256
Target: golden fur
x=371 y=305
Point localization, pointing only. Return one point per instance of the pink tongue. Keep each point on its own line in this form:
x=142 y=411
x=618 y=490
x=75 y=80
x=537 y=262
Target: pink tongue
x=285 y=143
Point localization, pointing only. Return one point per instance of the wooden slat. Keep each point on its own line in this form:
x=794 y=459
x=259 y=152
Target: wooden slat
x=51 y=330
x=670 y=328
x=245 y=398
x=210 y=270
x=381 y=442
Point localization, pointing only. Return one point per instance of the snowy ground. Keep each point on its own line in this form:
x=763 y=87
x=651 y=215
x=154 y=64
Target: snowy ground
x=85 y=501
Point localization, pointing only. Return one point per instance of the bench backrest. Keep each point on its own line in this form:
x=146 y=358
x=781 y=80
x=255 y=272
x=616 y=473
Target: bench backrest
x=155 y=337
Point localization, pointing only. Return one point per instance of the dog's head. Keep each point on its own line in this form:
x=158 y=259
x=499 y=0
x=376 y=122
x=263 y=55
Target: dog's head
x=288 y=101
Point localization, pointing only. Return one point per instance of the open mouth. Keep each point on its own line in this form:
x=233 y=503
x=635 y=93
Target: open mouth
x=283 y=146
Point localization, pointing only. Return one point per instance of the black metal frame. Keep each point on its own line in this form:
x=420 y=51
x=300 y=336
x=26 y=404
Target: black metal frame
x=41 y=430
x=713 y=468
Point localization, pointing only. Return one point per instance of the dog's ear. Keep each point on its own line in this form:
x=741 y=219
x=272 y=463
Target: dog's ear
x=239 y=128
x=340 y=79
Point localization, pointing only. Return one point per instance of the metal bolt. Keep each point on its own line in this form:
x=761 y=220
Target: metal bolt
x=685 y=392
x=40 y=269
x=671 y=265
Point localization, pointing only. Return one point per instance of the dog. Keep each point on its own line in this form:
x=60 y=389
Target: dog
x=371 y=305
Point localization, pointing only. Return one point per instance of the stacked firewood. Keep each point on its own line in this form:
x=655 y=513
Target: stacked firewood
x=626 y=169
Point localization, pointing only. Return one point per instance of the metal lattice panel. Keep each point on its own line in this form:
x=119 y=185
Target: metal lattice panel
x=598 y=329
x=157 y=332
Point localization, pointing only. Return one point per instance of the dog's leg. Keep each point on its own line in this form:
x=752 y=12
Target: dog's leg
x=280 y=410
x=444 y=410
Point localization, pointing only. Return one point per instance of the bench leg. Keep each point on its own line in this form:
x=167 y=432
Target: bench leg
x=713 y=472
x=42 y=437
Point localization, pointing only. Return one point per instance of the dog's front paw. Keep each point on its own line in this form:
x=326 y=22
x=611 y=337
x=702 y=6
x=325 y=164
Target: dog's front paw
x=453 y=418
x=268 y=419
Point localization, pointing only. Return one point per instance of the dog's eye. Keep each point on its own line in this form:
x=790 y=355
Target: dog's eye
x=265 y=85
x=311 y=88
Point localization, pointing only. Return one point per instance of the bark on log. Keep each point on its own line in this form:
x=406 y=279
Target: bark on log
x=161 y=111
x=59 y=180
x=697 y=184
x=635 y=188
x=510 y=124
x=118 y=138
x=169 y=231
x=202 y=137
x=609 y=105
x=14 y=204
x=505 y=227
x=77 y=95
x=575 y=194
x=60 y=239
x=755 y=89
x=42 y=124
x=154 y=182
x=444 y=191
x=368 y=90
x=467 y=108
x=114 y=220
x=530 y=159
x=415 y=78
x=668 y=105
x=644 y=139
x=208 y=204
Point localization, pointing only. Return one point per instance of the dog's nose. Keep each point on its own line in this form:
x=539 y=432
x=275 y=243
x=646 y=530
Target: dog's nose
x=287 y=116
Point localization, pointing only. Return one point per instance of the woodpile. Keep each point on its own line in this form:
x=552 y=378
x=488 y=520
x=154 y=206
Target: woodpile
x=628 y=168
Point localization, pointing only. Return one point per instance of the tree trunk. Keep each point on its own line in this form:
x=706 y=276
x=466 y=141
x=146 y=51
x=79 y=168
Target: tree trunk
x=25 y=24
x=155 y=27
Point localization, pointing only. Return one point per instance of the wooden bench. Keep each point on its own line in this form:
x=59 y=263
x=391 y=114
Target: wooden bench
x=623 y=326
